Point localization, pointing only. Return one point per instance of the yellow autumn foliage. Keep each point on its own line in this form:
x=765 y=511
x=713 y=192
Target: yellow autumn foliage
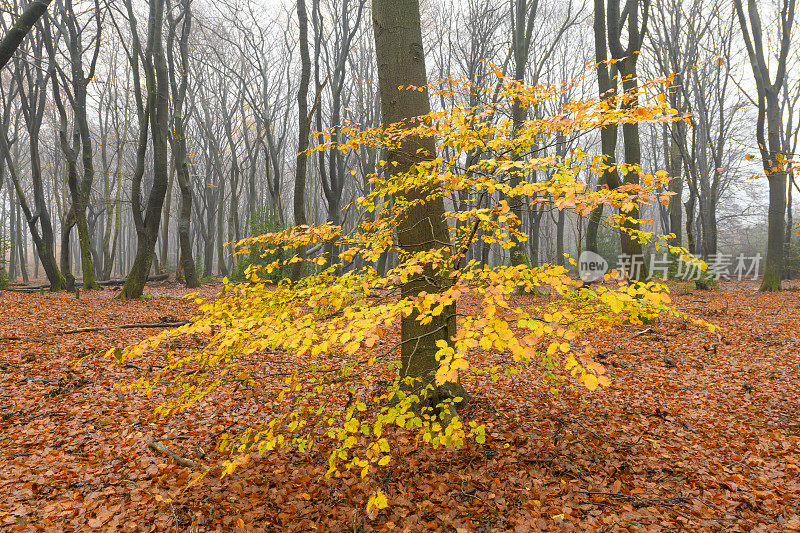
x=335 y=330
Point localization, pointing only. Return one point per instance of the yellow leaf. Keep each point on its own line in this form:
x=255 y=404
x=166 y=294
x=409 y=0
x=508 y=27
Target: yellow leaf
x=376 y=502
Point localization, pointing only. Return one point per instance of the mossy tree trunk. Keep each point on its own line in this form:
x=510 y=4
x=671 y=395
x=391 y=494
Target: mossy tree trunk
x=154 y=116
x=178 y=90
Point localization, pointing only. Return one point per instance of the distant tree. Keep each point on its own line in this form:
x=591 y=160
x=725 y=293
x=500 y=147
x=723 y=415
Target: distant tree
x=770 y=123
x=153 y=118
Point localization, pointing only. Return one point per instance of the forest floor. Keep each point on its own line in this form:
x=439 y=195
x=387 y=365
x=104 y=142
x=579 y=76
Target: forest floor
x=698 y=432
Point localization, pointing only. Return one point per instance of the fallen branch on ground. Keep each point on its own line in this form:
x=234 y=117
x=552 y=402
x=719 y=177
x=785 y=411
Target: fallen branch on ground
x=100 y=328
x=182 y=461
x=124 y=326
x=78 y=283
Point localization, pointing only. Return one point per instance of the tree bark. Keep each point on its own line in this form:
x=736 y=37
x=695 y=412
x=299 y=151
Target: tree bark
x=607 y=88
x=186 y=262
x=401 y=61
x=626 y=62
x=304 y=125
x=13 y=39
x=769 y=115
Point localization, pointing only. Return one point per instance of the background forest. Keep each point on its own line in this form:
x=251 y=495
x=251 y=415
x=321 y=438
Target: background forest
x=80 y=197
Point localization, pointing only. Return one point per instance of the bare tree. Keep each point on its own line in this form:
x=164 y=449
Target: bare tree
x=32 y=81
x=179 y=81
x=153 y=117
x=75 y=85
x=769 y=125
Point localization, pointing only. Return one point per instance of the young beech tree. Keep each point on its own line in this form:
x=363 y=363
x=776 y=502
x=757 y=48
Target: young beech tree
x=341 y=380
x=423 y=228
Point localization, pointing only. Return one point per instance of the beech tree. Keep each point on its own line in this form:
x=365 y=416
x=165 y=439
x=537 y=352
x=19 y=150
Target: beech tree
x=401 y=63
x=634 y=16
x=769 y=124
x=179 y=82
x=153 y=118
x=75 y=85
x=31 y=86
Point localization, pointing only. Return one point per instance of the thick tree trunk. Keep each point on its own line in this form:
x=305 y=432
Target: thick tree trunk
x=401 y=61
x=184 y=225
x=560 y=237
x=65 y=262
x=11 y=41
x=633 y=156
x=607 y=88
x=777 y=180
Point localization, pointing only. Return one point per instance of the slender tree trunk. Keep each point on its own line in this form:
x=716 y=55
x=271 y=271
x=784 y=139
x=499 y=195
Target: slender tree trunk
x=158 y=95
x=675 y=187
x=222 y=266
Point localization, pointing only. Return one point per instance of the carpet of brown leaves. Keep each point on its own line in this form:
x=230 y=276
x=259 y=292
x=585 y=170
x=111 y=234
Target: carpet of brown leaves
x=698 y=432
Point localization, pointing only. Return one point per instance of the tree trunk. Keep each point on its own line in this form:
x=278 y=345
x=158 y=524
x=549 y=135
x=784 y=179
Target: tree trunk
x=185 y=262
x=158 y=95
x=633 y=156
x=607 y=88
x=675 y=187
x=401 y=61
x=32 y=13
x=304 y=125
x=773 y=267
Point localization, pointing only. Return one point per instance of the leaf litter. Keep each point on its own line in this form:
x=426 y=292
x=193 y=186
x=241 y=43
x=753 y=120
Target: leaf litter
x=698 y=432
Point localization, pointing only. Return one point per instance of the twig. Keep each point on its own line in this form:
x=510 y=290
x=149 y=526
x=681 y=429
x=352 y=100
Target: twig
x=160 y=448
x=174 y=516
x=644 y=331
